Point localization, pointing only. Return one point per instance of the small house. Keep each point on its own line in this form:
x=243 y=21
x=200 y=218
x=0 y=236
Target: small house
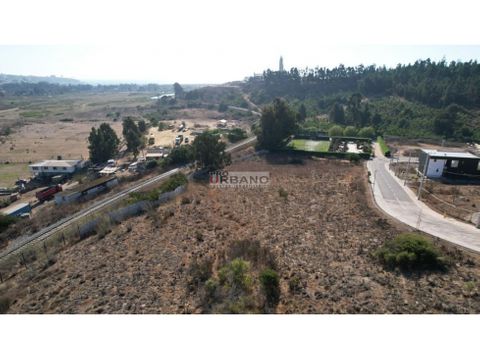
x=55 y=167
x=436 y=164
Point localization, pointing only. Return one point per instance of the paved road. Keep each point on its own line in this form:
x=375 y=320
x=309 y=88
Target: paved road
x=401 y=203
x=19 y=243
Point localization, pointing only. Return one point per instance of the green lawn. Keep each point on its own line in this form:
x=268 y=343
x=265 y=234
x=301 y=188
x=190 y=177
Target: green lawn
x=9 y=173
x=309 y=145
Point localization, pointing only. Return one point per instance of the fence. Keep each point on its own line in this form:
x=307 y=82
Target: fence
x=129 y=211
x=78 y=231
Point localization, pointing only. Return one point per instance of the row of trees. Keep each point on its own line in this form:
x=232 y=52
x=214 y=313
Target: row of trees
x=207 y=149
x=435 y=84
x=103 y=142
x=47 y=88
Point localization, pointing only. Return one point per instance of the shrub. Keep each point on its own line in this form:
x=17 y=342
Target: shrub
x=410 y=251
x=355 y=158
x=271 y=286
x=350 y=131
x=171 y=184
x=151 y=164
x=235 y=275
x=383 y=146
x=201 y=270
x=367 y=132
x=6 y=221
x=335 y=130
x=236 y=135
x=294 y=284
x=283 y=193
x=211 y=286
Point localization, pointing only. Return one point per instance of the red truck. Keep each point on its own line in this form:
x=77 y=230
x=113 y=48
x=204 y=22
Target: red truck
x=47 y=194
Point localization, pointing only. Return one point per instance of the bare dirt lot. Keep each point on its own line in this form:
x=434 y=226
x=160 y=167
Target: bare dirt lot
x=42 y=141
x=314 y=219
x=458 y=200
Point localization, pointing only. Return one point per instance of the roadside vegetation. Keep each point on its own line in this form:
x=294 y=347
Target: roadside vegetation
x=410 y=251
x=171 y=184
x=383 y=146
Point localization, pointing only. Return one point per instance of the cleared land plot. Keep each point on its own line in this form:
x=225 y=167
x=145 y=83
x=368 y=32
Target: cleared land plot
x=9 y=173
x=309 y=145
x=43 y=141
x=321 y=234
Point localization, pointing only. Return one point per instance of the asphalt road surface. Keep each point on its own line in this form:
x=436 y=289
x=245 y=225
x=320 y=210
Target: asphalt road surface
x=401 y=203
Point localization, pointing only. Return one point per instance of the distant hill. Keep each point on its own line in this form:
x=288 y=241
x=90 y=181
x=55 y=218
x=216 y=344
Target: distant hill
x=6 y=78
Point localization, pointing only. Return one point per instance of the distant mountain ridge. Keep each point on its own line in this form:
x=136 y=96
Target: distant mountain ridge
x=7 y=78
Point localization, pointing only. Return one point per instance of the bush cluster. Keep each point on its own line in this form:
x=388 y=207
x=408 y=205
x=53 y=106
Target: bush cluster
x=410 y=251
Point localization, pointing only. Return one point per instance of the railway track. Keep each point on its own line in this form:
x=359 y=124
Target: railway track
x=60 y=225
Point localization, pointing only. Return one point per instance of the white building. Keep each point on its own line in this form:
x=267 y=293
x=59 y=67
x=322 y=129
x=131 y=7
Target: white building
x=436 y=164
x=55 y=167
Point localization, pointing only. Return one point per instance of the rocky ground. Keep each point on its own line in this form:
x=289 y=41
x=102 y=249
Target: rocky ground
x=315 y=219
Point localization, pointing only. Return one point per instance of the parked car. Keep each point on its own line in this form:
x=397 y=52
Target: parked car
x=186 y=140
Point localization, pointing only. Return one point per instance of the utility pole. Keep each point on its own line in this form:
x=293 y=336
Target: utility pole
x=419 y=195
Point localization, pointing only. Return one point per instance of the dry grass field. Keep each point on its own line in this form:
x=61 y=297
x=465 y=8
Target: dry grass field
x=45 y=127
x=314 y=224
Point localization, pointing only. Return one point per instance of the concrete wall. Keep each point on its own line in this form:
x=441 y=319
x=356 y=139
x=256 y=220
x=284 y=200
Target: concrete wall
x=65 y=199
x=435 y=167
x=130 y=210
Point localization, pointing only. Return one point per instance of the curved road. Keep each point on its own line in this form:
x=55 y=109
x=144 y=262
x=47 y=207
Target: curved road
x=401 y=203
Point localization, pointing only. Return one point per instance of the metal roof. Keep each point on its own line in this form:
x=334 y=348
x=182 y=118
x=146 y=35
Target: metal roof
x=13 y=208
x=448 y=154
x=57 y=163
x=87 y=186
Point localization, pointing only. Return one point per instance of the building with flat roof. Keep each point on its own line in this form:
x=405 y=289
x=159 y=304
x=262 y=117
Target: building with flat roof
x=86 y=190
x=436 y=164
x=55 y=167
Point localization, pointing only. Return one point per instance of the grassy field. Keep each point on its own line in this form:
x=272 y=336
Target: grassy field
x=309 y=145
x=9 y=173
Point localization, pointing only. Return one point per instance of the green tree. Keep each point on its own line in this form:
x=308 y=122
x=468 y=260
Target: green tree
x=350 y=131
x=102 y=143
x=337 y=114
x=209 y=151
x=181 y=155
x=142 y=126
x=277 y=123
x=367 y=132
x=302 y=113
x=335 y=131
x=132 y=136
x=222 y=107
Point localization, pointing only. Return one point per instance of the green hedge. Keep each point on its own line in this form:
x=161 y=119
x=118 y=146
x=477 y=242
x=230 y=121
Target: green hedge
x=383 y=146
x=410 y=251
x=327 y=154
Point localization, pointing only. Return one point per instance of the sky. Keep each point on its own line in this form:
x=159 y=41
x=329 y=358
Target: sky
x=213 y=41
